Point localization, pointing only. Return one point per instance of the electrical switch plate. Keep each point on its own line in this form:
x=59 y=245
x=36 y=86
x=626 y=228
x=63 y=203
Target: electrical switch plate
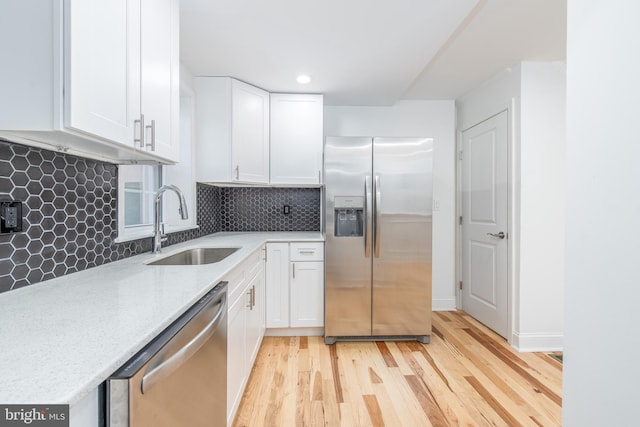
x=10 y=216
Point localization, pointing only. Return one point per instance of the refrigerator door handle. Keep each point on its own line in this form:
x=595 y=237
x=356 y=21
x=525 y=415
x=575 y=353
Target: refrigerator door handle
x=367 y=216
x=376 y=222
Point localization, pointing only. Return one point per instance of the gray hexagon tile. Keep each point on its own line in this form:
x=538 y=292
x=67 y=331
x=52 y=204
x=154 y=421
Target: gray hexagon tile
x=69 y=209
x=261 y=209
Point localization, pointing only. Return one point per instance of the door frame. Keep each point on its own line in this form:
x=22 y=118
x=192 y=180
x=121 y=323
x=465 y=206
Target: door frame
x=513 y=201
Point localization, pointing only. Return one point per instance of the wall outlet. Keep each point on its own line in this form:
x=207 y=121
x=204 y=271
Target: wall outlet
x=286 y=209
x=10 y=217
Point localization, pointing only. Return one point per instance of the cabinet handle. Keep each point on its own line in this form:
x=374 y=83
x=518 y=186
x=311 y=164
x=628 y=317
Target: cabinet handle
x=153 y=136
x=308 y=252
x=253 y=296
x=319 y=177
x=142 y=131
x=265 y=255
x=294 y=270
x=237 y=172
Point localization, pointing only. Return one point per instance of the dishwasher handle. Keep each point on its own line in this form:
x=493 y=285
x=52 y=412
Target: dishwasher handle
x=179 y=357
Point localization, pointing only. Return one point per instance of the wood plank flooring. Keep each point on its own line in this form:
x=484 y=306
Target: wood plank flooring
x=466 y=376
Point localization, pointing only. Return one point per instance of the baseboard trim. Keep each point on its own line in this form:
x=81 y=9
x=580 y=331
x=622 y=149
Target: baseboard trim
x=536 y=342
x=446 y=304
x=294 y=332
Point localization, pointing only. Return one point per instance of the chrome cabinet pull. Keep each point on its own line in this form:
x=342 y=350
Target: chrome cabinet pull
x=237 y=172
x=294 y=270
x=153 y=136
x=142 y=131
x=253 y=296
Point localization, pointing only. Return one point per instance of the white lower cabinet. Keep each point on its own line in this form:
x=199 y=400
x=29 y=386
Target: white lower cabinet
x=235 y=357
x=295 y=285
x=245 y=326
x=255 y=321
x=307 y=294
x=277 y=277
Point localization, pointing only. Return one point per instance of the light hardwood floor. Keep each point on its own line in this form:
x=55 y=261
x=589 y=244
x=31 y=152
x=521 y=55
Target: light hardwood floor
x=466 y=376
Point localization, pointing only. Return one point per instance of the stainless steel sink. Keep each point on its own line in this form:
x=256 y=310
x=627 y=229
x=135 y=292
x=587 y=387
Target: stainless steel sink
x=196 y=256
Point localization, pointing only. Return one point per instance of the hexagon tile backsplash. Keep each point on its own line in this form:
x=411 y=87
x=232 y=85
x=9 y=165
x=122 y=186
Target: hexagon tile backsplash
x=69 y=209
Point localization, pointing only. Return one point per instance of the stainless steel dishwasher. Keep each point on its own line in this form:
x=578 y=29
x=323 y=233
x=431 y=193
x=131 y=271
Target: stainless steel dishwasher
x=180 y=378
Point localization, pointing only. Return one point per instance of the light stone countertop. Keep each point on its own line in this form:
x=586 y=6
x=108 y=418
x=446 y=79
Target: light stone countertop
x=61 y=338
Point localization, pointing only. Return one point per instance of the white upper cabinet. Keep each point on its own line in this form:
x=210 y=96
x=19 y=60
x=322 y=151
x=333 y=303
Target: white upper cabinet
x=296 y=138
x=232 y=131
x=83 y=75
x=160 y=76
x=101 y=82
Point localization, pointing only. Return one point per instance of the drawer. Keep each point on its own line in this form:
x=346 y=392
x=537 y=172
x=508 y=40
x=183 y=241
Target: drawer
x=307 y=251
x=236 y=282
x=241 y=274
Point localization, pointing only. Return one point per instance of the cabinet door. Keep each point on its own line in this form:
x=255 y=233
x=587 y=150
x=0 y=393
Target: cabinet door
x=255 y=317
x=102 y=68
x=250 y=133
x=277 y=285
x=307 y=294
x=236 y=351
x=296 y=138
x=159 y=76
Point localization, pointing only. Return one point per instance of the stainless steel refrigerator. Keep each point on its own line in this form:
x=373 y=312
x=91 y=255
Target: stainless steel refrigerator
x=378 y=217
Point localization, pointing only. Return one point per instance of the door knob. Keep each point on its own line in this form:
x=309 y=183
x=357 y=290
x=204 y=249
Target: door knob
x=499 y=235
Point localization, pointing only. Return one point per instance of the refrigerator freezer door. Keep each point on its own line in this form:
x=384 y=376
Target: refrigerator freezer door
x=401 y=299
x=348 y=164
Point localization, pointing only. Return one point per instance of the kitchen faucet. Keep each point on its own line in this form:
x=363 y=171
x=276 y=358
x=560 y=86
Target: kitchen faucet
x=158 y=236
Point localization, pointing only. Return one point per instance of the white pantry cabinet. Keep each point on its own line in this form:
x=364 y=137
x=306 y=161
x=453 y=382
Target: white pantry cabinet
x=232 y=131
x=245 y=325
x=84 y=74
x=295 y=285
x=296 y=138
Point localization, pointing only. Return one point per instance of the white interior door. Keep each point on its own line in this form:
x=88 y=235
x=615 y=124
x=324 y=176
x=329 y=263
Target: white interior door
x=484 y=222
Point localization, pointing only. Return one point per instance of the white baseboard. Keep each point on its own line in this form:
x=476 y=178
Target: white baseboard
x=536 y=342
x=447 y=304
x=294 y=332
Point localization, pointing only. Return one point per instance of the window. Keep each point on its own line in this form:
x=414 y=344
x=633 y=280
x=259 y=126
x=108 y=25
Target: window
x=137 y=185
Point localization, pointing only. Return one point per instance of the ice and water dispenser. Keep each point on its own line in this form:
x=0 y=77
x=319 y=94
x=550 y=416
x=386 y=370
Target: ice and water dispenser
x=349 y=216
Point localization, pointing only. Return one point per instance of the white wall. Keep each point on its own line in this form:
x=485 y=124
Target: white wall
x=601 y=369
x=533 y=94
x=542 y=206
x=409 y=119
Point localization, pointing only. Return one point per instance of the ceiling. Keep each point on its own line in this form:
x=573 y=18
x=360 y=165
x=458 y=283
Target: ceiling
x=369 y=52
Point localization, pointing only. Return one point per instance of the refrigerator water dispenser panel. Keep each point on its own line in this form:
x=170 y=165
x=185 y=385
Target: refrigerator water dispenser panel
x=349 y=216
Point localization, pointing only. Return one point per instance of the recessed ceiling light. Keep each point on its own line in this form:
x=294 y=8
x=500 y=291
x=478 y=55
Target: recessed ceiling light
x=303 y=79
